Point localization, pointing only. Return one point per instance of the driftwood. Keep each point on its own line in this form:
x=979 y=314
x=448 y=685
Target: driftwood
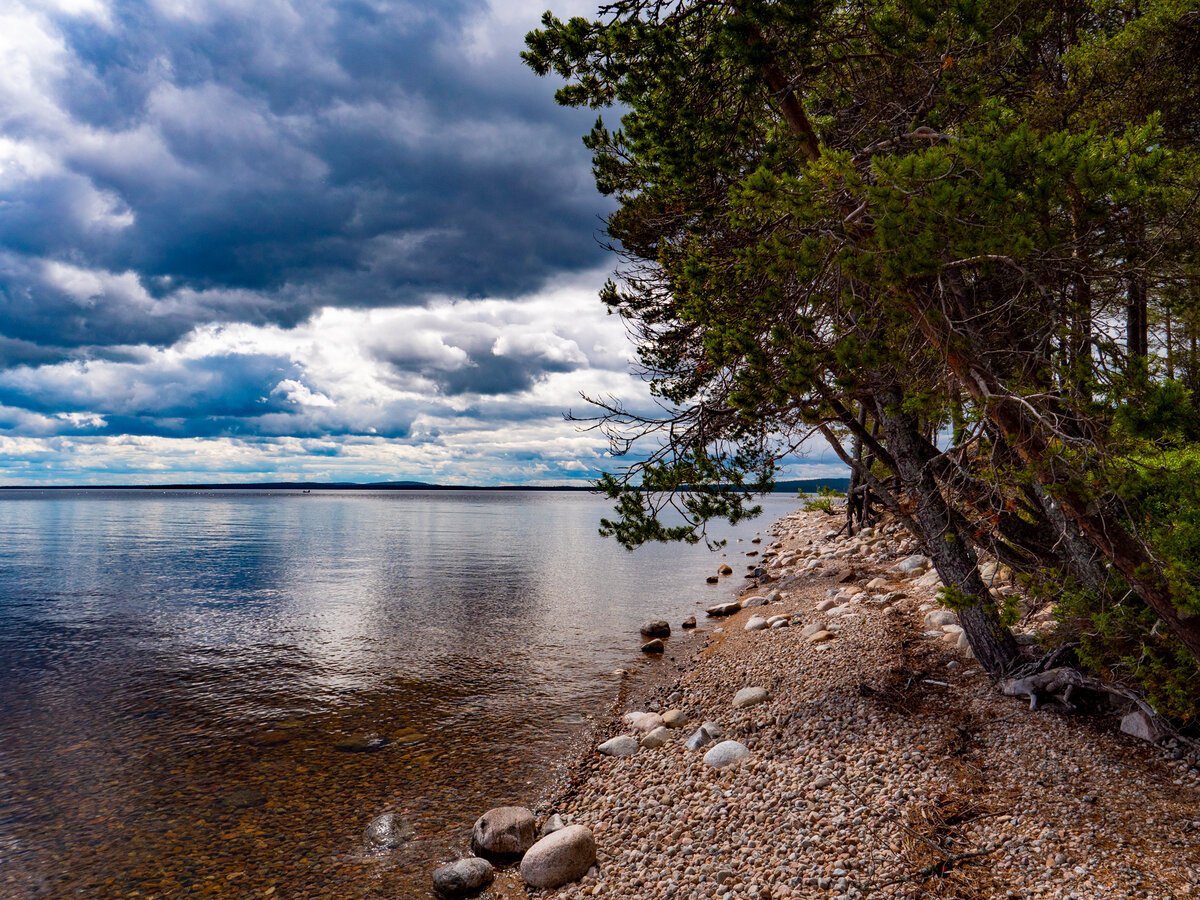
x=1063 y=683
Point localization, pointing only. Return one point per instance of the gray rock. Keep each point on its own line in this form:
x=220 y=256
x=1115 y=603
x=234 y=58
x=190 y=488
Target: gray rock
x=752 y=602
x=622 y=745
x=725 y=754
x=642 y=721
x=715 y=731
x=700 y=738
x=940 y=617
x=1142 y=725
x=656 y=738
x=654 y=646
x=826 y=605
x=463 y=878
x=756 y=623
x=780 y=623
x=674 y=718
x=553 y=824
x=504 y=832
x=809 y=630
x=559 y=858
x=723 y=609
x=912 y=564
x=750 y=696
x=386 y=832
x=657 y=628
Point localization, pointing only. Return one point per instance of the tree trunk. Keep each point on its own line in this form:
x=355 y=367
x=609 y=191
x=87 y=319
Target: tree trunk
x=952 y=556
x=1032 y=439
x=1137 y=323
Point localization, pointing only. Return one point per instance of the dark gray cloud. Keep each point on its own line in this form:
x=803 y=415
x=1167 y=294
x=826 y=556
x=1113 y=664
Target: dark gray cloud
x=253 y=162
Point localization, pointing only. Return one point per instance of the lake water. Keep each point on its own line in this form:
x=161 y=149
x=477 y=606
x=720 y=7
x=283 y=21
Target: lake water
x=178 y=669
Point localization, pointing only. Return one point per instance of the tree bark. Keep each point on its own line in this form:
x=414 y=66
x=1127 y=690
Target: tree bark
x=952 y=555
x=1031 y=438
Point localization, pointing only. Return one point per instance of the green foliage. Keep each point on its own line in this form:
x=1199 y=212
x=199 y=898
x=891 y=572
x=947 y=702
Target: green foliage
x=1162 y=492
x=932 y=212
x=1124 y=641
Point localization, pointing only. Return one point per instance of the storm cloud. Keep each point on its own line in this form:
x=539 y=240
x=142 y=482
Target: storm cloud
x=169 y=163
x=295 y=238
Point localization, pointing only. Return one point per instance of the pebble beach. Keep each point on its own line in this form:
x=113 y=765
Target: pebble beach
x=831 y=736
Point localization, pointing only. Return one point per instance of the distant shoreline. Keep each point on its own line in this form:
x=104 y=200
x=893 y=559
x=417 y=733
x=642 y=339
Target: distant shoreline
x=784 y=487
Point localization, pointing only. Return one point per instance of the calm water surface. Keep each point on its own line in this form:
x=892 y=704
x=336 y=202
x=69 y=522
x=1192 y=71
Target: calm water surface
x=177 y=670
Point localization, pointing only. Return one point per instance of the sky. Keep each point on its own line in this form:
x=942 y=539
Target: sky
x=286 y=239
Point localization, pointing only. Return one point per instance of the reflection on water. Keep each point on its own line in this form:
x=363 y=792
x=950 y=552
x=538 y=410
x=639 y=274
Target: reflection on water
x=177 y=671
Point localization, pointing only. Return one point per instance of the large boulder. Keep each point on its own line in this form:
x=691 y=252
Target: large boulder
x=1140 y=724
x=656 y=628
x=723 y=609
x=912 y=565
x=656 y=738
x=642 y=721
x=756 y=623
x=725 y=754
x=674 y=718
x=750 y=696
x=504 y=833
x=940 y=617
x=463 y=878
x=622 y=745
x=559 y=858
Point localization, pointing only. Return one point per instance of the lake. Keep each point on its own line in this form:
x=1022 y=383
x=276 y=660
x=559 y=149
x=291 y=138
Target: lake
x=183 y=673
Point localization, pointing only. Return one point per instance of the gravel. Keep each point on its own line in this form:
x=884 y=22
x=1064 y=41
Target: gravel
x=881 y=754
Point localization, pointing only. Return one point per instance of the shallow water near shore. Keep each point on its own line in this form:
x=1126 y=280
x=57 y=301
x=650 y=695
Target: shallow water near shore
x=178 y=670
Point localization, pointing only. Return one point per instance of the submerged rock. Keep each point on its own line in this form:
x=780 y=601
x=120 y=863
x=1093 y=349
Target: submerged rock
x=463 y=878
x=725 y=569
x=362 y=743
x=504 y=832
x=243 y=798
x=387 y=831
x=559 y=858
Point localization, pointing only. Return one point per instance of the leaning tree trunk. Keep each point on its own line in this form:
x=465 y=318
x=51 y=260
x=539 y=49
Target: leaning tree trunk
x=1034 y=442
x=952 y=556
